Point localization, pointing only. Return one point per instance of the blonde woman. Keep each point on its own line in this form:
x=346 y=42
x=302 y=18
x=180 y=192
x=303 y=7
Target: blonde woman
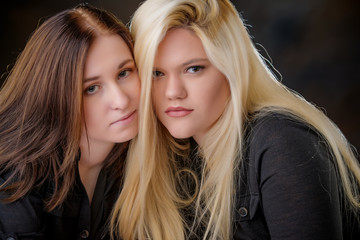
x=226 y=151
x=67 y=113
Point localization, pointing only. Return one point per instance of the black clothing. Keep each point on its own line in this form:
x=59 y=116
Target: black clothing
x=26 y=218
x=288 y=185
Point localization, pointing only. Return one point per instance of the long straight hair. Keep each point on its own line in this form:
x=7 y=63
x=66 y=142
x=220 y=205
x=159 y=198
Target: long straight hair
x=148 y=207
x=41 y=105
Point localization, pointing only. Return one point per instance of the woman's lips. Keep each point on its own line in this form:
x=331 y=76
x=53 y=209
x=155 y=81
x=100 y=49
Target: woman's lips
x=125 y=119
x=178 y=111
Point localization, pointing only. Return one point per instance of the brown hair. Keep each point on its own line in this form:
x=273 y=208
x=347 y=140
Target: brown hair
x=41 y=103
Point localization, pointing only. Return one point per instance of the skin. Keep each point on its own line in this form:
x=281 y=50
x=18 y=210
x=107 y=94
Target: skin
x=111 y=92
x=189 y=94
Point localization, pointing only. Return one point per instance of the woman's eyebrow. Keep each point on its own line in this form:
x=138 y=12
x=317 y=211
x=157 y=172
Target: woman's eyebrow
x=122 y=64
x=194 y=61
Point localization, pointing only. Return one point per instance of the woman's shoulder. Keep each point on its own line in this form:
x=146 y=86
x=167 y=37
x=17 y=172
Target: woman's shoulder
x=277 y=139
x=273 y=122
x=24 y=216
x=279 y=128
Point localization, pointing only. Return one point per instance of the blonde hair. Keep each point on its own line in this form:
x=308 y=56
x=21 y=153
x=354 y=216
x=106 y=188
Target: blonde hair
x=148 y=207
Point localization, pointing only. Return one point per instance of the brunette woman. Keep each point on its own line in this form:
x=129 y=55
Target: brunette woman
x=68 y=110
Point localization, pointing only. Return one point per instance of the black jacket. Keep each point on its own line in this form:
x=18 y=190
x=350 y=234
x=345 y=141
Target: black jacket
x=26 y=219
x=287 y=187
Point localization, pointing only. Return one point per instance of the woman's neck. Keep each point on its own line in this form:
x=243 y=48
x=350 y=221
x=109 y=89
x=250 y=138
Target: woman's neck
x=90 y=164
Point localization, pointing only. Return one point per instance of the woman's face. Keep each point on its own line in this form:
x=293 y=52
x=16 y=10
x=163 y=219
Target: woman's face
x=189 y=94
x=111 y=90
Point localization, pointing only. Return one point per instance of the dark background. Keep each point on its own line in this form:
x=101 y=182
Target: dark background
x=314 y=44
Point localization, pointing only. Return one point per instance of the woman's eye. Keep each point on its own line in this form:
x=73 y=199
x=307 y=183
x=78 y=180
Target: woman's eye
x=91 y=89
x=194 y=69
x=124 y=73
x=157 y=74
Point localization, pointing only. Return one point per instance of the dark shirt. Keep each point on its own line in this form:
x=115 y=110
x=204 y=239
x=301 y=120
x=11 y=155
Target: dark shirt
x=26 y=219
x=289 y=185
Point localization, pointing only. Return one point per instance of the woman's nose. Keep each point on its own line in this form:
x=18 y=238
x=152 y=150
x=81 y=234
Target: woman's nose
x=118 y=98
x=175 y=88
